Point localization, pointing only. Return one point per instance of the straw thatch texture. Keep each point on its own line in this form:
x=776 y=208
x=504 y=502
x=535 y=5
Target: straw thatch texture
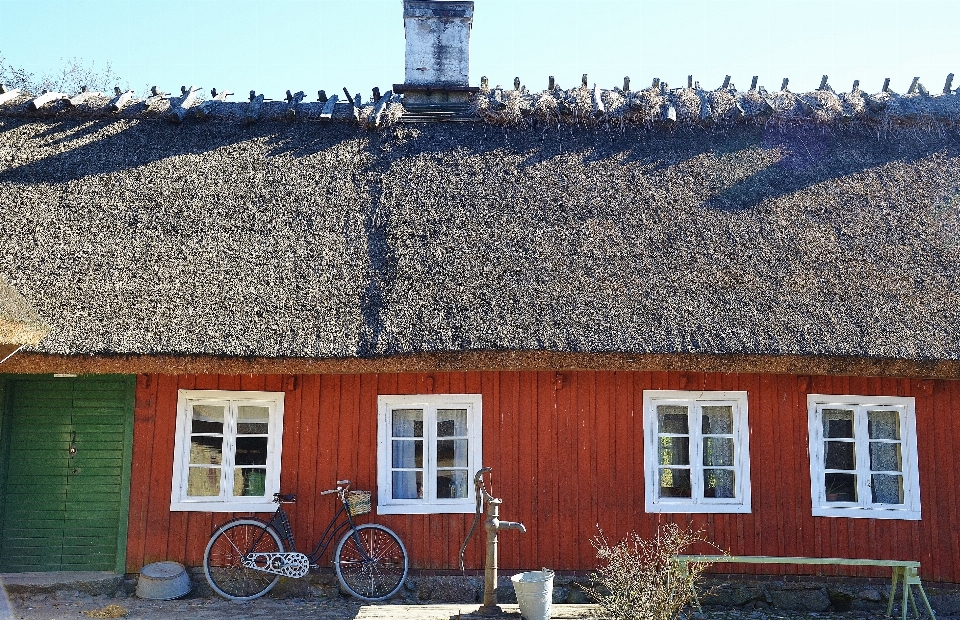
x=325 y=240
x=19 y=322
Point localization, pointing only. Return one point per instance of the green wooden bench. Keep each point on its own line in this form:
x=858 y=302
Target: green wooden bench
x=905 y=571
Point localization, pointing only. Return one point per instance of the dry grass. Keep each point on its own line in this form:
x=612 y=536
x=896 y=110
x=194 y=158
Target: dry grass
x=110 y=611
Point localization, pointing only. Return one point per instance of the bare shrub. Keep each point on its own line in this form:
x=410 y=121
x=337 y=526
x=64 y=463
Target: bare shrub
x=638 y=579
x=70 y=77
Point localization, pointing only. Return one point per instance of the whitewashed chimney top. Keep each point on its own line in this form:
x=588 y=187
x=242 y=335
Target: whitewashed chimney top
x=438 y=42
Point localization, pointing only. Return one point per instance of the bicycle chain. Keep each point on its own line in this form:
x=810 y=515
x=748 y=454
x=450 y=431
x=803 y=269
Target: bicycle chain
x=289 y=564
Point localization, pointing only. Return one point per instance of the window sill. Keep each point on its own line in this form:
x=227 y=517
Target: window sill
x=426 y=509
x=264 y=505
x=864 y=513
x=678 y=507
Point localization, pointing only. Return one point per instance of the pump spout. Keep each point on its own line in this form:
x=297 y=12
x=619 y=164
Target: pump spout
x=512 y=525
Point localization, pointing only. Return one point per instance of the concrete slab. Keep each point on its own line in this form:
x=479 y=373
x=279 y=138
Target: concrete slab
x=88 y=582
x=463 y=611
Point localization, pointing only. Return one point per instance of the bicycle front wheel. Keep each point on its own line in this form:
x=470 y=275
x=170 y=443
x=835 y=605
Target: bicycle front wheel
x=222 y=561
x=371 y=562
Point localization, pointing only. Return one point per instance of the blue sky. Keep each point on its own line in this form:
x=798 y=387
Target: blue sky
x=273 y=45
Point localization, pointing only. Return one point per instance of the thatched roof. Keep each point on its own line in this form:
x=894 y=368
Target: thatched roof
x=19 y=322
x=324 y=240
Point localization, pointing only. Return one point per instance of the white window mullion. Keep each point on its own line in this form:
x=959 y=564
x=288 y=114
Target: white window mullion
x=229 y=449
x=861 y=443
x=430 y=454
x=695 y=428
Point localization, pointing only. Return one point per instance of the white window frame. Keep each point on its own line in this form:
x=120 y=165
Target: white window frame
x=697 y=503
x=910 y=509
x=179 y=500
x=429 y=504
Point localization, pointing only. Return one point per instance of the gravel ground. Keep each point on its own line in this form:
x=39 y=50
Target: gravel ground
x=78 y=605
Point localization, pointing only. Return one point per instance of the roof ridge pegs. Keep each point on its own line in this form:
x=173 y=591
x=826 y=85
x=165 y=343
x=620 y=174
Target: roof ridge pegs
x=626 y=83
x=823 y=83
x=948 y=84
x=886 y=85
x=913 y=86
x=783 y=86
x=583 y=81
x=551 y=84
x=753 y=83
x=856 y=86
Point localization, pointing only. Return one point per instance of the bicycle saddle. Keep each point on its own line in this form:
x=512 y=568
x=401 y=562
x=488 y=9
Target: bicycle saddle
x=281 y=498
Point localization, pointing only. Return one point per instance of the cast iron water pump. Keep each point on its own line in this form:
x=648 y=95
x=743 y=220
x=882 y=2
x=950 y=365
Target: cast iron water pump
x=492 y=525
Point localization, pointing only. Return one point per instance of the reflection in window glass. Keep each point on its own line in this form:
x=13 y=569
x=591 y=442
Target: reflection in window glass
x=675 y=483
x=838 y=423
x=672 y=419
x=719 y=483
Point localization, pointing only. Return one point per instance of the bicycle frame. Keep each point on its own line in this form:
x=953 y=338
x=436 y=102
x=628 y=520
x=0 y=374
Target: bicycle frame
x=281 y=523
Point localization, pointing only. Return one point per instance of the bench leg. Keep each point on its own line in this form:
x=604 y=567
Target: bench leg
x=893 y=590
x=906 y=596
x=685 y=573
x=912 y=578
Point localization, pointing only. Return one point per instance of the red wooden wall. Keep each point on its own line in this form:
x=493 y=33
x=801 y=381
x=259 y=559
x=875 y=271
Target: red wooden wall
x=567 y=453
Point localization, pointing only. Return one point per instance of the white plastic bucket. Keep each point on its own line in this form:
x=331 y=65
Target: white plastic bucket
x=534 y=593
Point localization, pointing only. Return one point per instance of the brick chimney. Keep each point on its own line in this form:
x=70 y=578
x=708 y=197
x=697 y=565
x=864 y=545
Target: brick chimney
x=437 y=67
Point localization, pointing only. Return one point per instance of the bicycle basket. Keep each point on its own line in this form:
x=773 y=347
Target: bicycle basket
x=358 y=502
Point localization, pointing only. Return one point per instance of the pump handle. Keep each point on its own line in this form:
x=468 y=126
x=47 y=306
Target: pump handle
x=481 y=494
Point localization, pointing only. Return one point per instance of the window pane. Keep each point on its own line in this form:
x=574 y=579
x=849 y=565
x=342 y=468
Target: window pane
x=203 y=482
x=674 y=451
x=840 y=487
x=672 y=419
x=887 y=488
x=207 y=419
x=408 y=422
x=883 y=424
x=251 y=451
x=451 y=422
x=717 y=451
x=838 y=423
x=718 y=483
x=407 y=485
x=885 y=456
x=253 y=420
x=718 y=420
x=206 y=450
x=840 y=455
x=452 y=453
x=452 y=484
x=408 y=453
x=674 y=482
x=249 y=482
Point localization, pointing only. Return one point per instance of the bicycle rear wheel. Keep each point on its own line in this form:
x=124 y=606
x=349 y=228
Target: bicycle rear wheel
x=371 y=562
x=222 y=561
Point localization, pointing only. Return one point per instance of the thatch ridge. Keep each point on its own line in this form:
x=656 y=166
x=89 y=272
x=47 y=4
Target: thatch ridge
x=655 y=106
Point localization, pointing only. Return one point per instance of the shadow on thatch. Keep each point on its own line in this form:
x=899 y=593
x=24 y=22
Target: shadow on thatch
x=810 y=157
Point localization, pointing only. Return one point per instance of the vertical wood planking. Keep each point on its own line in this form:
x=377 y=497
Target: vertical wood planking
x=566 y=456
x=144 y=422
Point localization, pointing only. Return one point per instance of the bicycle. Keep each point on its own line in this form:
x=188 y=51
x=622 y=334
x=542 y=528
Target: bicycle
x=246 y=557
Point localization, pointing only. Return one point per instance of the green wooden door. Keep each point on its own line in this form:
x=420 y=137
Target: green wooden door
x=66 y=473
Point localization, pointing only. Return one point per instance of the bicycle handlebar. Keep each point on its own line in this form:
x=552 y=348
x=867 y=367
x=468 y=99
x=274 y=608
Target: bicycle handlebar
x=342 y=485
